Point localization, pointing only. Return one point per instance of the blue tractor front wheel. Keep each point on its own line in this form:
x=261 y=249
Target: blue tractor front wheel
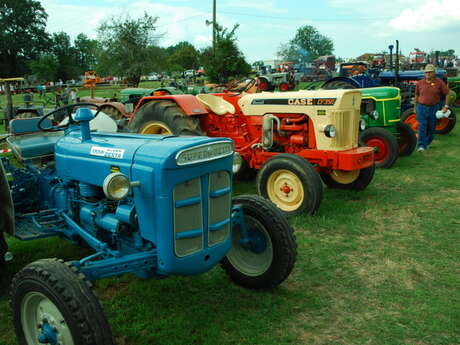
x=266 y=257
x=53 y=304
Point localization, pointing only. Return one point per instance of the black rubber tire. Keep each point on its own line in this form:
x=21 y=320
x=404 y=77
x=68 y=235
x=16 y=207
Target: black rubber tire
x=245 y=173
x=71 y=294
x=338 y=84
x=450 y=126
x=407 y=139
x=405 y=95
x=261 y=212
x=282 y=87
x=269 y=86
x=362 y=181
x=390 y=141
x=169 y=114
x=305 y=172
x=3 y=250
x=408 y=112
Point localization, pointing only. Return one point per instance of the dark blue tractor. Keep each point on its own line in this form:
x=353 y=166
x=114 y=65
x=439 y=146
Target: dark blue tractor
x=154 y=206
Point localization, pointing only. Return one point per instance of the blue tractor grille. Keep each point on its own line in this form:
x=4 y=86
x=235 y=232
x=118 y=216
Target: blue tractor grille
x=202 y=211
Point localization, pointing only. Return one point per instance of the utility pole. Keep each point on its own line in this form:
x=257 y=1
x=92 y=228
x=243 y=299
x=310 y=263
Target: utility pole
x=214 y=27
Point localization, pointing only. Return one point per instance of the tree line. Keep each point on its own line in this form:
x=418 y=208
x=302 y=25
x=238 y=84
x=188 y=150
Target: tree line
x=126 y=47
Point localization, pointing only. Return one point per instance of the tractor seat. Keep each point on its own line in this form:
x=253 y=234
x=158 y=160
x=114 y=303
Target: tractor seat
x=217 y=105
x=35 y=145
x=27 y=142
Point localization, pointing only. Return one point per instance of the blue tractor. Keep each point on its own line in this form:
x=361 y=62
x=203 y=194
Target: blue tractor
x=150 y=205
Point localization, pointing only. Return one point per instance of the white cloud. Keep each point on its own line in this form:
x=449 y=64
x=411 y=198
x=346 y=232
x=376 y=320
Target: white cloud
x=432 y=16
x=201 y=41
x=177 y=22
x=263 y=7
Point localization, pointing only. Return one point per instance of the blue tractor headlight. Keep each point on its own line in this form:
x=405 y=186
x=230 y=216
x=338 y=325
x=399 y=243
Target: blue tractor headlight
x=204 y=153
x=116 y=186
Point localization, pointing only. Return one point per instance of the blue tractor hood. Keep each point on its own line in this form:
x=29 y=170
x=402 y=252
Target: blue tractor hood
x=410 y=75
x=90 y=161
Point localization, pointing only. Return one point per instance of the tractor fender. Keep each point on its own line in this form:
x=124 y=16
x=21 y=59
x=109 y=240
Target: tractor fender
x=188 y=103
x=342 y=79
x=117 y=105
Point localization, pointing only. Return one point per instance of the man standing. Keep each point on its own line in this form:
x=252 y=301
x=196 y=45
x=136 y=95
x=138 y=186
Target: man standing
x=430 y=94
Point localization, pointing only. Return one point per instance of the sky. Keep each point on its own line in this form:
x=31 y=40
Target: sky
x=354 y=26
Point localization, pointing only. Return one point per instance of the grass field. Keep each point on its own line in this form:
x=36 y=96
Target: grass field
x=378 y=267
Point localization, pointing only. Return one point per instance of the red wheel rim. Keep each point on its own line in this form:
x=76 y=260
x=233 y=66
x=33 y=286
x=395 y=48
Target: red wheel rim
x=262 y=85
x=442 y=123
x=457 y=102
x=381 y=148
x=284 y=87
x=411 y=120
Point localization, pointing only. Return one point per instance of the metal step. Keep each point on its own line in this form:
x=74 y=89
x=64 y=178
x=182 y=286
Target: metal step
x=38 y=225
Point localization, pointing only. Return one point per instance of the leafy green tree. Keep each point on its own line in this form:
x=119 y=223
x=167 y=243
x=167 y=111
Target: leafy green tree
x=86 y=51
x=22 y=37
x=307 y=45
x=66 y=56
x=128 y=47
x=45 y=67
x=226 y=60
x=184 y=55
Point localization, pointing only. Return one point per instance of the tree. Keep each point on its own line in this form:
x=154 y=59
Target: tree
x=45 y=67
x=226 y=60
x=307 y=45
x=66 y=56
x=128 y=47
x=86 y=51
x=183 y=55
x=22 y=37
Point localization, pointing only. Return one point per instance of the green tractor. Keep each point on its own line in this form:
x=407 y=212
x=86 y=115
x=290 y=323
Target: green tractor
x=383 y=129
x=454 y=86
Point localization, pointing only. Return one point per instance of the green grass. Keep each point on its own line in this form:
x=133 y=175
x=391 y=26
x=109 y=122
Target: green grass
x=378 y=267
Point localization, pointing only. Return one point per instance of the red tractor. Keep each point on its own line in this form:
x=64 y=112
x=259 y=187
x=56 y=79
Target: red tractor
x=293 y=139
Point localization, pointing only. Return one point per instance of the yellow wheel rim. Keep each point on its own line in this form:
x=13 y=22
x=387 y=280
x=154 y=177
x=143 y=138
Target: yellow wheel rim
x=344 y=177
x=285 y=189
x=155 y=127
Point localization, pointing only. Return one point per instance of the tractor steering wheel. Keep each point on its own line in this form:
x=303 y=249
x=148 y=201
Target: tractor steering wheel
x=69 y=109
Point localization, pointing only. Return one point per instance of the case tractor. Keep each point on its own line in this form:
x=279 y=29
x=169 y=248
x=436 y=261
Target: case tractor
x=293 y=139
x=154 y=206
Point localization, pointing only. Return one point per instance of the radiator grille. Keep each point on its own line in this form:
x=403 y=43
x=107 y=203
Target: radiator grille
x=219 y=207
x=188 y=222
x=202 y=211
x=347 y=125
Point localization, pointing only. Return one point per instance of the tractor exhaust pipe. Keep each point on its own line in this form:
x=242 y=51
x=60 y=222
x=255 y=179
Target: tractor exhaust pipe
x=397 y=63
x=391 y=56
x=267 y=130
